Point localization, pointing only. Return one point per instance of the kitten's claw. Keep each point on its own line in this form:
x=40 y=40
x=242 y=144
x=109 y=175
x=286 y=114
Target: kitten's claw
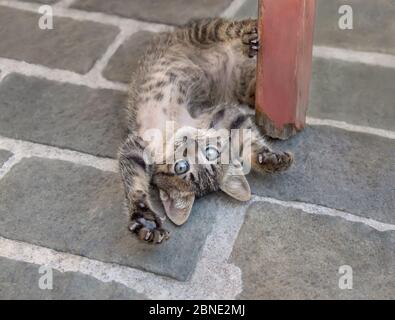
x=146 y=224
x=134 y=226
x=149 y=231
x=275 y=162
x=251 y=41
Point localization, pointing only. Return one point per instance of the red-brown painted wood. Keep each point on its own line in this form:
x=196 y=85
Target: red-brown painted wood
x=284 y=65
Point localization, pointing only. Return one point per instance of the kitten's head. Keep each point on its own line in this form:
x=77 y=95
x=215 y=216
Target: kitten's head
x=198 y=166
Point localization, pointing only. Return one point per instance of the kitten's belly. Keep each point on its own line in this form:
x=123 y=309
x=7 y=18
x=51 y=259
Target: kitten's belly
x=159 y=117
x=159 y=128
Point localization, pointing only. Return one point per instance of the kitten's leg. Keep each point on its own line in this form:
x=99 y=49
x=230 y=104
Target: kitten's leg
x=263 y=157
x=246 y=84
x=136 y=176
x=244 y=75
x=209 y=31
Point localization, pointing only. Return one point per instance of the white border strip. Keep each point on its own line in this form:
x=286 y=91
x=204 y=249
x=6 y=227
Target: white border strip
x=319 y=210
x=98 y=69
x=91 y=79
x=8 y=165
x=351 y=127
x=233 y=8
x=3 y=74
x=98 y=17
x=369 y=58
x=23 y=149
x=63 y=3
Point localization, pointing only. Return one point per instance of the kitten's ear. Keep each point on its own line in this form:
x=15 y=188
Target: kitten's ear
x=178 y=208
x=236 y=185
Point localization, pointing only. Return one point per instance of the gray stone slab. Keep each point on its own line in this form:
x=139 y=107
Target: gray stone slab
x=125 y=60
x=353 y=92
x=175 y=12
x=286 y=253
x=248 y=10
x=339 y=169
x=62 y=115
x=71 y=44
x=4 y=156
x=79 y=209
x=19 y=281
x=374 y=25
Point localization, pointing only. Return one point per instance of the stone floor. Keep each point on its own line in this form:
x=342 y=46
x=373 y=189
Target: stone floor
x=61 y=97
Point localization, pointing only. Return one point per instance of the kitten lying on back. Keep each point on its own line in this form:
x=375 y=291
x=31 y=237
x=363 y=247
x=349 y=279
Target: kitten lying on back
x=200 y=76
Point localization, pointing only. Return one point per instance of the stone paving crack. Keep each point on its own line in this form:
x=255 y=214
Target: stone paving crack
x=233 y=8
x=370 y=58
x=24 y=149
x=351 y=127
x=321 y=210
x=64 y=3
x=90 y=80
x=9 y=164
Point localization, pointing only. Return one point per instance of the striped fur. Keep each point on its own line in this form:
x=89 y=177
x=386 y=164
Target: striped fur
x=199 y=76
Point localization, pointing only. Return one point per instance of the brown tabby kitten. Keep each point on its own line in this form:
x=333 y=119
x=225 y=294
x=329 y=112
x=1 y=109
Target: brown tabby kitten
x=200 y=76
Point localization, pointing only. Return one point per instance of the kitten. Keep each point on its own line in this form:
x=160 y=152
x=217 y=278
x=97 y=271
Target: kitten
x=199 y=76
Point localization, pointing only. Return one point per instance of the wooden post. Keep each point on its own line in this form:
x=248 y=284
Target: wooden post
x=284 y=65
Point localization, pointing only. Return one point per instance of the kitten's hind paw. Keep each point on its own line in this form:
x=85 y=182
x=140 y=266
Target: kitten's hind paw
x=275 y=161
x=148 y=231
x=250 y=40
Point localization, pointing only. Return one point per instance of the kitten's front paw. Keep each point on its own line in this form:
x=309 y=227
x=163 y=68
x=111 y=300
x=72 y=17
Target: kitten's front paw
x=275 y=161
x=148 y=231
x=146 y=224
x=250 y=40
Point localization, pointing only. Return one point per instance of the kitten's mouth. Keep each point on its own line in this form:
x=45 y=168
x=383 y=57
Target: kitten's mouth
x=178 y=206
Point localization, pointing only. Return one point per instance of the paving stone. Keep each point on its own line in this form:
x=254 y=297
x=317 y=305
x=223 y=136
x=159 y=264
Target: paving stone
x=248 y=10
x=4 y=156
x=353 y=92
x=19 y=281
x=175 y=12
x=286 y=253
x=71 y=44
x=374 y=25
x=62 y=115
x=125 y=61
x=76 y=209
x=344 y=170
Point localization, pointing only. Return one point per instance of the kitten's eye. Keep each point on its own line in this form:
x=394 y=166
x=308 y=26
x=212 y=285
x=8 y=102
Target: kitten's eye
x=212 y=153
x=181 y=167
